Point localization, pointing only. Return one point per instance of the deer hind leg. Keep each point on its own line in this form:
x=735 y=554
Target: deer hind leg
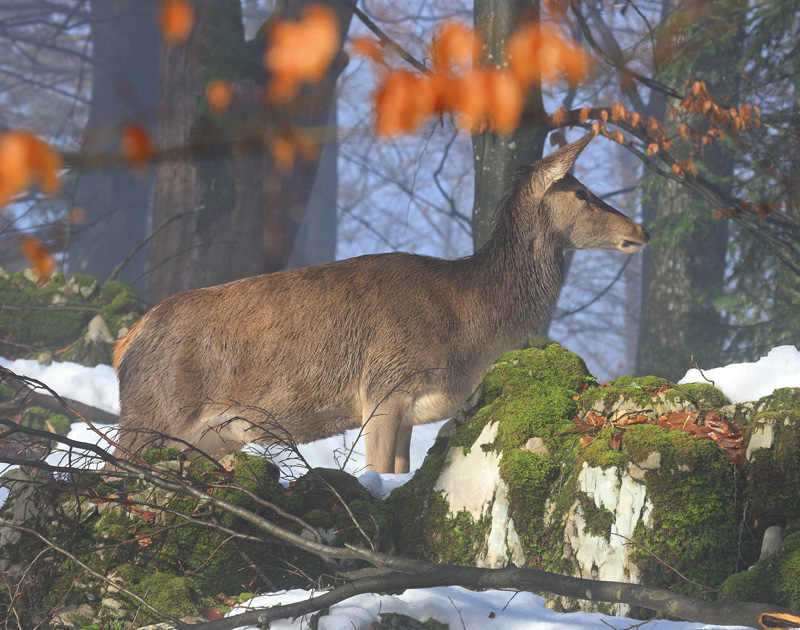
x=385 y=429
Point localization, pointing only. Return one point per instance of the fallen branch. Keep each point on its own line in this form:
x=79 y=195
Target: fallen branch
x=514 y=578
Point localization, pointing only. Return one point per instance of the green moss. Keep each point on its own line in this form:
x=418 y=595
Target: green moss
x=703 y=395
x=176 y=596
x=542 y=412
x=54 y=317
x=598 y=519
x=82 y=280
x=639 y=391
x=529 y=478
x=422 y=525
x=694 y=496
x=600 y=454
x=123 y=302
x=41 y=326
x=553 y=366
x=467 y=434
x=44 y=420
x=773 y=473
x=433 y=624
x=784 y=399
x=774 y=579
x=157 y=455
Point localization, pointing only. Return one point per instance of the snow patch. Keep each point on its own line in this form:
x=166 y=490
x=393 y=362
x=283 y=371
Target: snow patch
x=743 y=382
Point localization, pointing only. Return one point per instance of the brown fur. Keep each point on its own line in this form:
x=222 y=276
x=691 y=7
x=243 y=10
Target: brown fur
x=122 y=344
x=386 y=341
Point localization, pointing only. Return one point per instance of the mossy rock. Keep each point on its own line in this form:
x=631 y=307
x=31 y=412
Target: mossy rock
x=694 y=522
x=170 y=594
x=774 y=579
x=44 y=420
x=162 y=542
x=422 y=525
x=51 y=320
x=527 y=394
x=315 y=499
x=691 y=496
x=772 y=468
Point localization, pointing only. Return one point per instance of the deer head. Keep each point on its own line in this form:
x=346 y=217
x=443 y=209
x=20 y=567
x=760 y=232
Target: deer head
x=579 y=218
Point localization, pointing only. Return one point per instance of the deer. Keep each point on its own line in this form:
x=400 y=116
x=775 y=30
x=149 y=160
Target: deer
x=382 y=341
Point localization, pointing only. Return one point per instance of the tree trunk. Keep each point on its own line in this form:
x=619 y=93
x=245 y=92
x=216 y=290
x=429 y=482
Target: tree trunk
x=236 y=214
x=316 y=240
x=125 y=44
x=497 y=157
x=684 y=268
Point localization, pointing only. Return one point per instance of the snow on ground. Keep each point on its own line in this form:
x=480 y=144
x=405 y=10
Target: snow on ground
x=455 y=606
x=742 y=382
x=92 y=386
x=459 y=608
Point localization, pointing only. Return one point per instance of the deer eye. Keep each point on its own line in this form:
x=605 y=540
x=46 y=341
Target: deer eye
x=581 y=194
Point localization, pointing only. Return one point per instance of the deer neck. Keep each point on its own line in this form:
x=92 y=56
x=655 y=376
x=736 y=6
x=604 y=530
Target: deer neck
x=518 y=275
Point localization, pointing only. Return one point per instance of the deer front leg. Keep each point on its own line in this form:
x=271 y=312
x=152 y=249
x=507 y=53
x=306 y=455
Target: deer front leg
x=402 y=449
x=382 y=429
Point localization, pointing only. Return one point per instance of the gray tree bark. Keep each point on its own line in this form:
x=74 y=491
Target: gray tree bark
x=238 y=214
x=497 y=157
x=125 y=45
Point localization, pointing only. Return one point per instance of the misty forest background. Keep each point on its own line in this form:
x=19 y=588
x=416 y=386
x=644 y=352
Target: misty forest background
x=711 y=165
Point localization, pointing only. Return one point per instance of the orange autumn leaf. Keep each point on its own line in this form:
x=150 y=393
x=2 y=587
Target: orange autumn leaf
x=219 y=94
x=584 y=114
x=652 y=148
x=39 y=258
x=403 y=102
x=635 y=120
x=176 y=18
x=368 y=47
x=301 y=52
x=454 y=44
x=283 y=153
x=560 y=117
x=618 y=112
x=537 y=49
x=689 y=167
x=137 y=146
x=289 y=144
x=470 y=99
x=25 y=159
x=617 y=135
x=506 y=101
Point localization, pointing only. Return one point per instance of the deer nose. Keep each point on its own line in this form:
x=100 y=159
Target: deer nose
x=646 y=233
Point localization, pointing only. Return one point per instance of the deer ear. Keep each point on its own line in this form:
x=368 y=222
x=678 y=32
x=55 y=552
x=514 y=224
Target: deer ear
x=550 y=169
